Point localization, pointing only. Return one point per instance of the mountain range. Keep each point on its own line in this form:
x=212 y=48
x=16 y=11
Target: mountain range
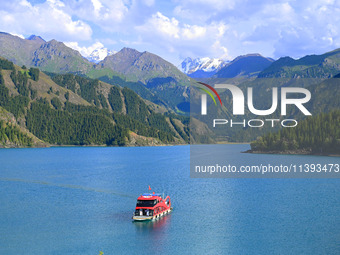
x=145 y=73
x=311 y=66
x=163 y=88
x=52 y=56
x=249 y=65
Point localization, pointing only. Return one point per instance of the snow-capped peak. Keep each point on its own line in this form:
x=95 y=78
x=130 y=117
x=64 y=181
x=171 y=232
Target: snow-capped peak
x=94 y=53
x=188 y=64
x=99 y=54
x=208 y=65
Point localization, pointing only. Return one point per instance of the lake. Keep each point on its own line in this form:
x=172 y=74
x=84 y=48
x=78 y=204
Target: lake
x=80 y=200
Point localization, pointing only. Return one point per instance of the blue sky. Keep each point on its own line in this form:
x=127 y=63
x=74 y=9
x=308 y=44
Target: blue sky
x=181 y=28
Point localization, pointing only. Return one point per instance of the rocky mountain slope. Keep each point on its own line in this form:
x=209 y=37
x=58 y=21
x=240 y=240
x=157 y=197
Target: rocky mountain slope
x=52 y=56
x=147 y=74
x=141 y=66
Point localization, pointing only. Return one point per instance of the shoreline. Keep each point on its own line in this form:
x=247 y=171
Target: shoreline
x=91 y=145
x=301 y=152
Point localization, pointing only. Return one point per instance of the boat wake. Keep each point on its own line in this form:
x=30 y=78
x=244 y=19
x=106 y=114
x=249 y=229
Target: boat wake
x=68 y=186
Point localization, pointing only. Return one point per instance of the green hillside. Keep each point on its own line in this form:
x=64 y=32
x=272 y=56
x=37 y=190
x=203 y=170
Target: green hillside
x=10 y=135
x=150 y=76
x=67 y=109
x=13 y=135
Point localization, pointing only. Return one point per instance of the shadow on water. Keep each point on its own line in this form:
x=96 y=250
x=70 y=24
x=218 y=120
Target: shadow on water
x=154 y=234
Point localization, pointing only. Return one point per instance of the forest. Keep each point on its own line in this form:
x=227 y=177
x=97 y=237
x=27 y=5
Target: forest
x=105 y=122
x=318 y=134
x=9 y=133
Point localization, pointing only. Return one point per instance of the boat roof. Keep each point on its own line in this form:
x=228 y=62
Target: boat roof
x=150 y=196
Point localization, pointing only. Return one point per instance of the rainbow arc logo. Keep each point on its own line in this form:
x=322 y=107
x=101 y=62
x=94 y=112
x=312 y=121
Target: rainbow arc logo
x=204 y=97
x=209 y=93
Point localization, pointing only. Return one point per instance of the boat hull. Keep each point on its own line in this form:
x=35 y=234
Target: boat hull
x=142 y=218
x=150 y=218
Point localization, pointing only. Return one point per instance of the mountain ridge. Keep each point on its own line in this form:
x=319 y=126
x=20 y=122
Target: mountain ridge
x=36 y=38
x=246 y=65
x=141 y=66
x=312 y=66
x=51 y=56
x=155 y=78
x=128 y=65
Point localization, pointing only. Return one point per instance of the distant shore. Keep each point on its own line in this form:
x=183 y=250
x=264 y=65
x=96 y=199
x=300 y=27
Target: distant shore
x=295 y=152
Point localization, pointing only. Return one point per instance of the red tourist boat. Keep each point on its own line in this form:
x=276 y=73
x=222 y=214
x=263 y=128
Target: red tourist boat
x=151 y=206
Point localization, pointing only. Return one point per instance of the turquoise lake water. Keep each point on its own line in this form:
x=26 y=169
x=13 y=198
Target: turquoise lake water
x=77 y=200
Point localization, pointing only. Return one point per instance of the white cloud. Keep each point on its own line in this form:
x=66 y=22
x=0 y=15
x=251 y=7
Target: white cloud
x=208 y=5
x=180 y=28
x=97 y=5
x=295 y=30
x=25 y=3
x=200 y=12
x=218 y=47
x=84 y=51
x=191 y=32
x=108 y=14
x=281 y=12
x=163 y=25
x=171 y=28
x=55 y=3
x=49 y=19
x=222 y=29
x=173 y=36
x=149 y=3
x=272 y=28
